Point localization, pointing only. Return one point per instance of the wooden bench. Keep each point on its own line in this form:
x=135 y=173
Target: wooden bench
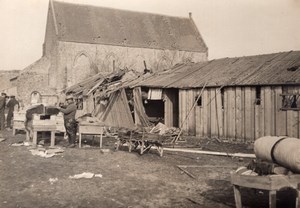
x=271 y=183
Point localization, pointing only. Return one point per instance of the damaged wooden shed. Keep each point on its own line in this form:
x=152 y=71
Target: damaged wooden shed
x=104 y=97
x=243 y=98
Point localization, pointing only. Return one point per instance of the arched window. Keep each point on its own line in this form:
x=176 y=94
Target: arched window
x=82 y=67
x=35 y=98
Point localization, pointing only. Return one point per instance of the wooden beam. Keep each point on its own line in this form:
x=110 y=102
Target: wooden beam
x=210 y=152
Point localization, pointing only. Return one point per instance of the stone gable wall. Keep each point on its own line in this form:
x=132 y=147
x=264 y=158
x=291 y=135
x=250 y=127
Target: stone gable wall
x=77 y=61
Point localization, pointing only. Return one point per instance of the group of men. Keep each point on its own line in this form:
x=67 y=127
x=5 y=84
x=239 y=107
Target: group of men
x=9 y=103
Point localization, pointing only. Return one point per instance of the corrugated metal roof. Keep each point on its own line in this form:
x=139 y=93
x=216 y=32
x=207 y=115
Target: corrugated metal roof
x=89 y=24
x=271 y=69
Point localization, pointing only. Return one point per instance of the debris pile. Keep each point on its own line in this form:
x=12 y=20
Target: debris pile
x=162 y=129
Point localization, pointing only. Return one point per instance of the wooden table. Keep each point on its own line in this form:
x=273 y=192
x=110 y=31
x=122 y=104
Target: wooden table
x=90 y=129
x=271 y=183
x=43 y=128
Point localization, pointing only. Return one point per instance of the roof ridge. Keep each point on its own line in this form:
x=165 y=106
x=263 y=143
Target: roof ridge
x=125 y=10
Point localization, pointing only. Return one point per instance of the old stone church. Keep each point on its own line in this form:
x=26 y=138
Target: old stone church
x=82 y=40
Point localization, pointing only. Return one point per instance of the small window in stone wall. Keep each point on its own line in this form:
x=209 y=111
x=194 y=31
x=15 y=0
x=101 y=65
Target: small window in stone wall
x=79 y=103
x=290 y=101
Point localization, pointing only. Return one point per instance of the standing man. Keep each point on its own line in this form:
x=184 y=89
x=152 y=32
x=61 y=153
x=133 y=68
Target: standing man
x=11 y=106
x=2 y=109
x=69 y=120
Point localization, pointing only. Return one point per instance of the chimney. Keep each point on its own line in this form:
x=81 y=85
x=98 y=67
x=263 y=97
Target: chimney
x=190 y=15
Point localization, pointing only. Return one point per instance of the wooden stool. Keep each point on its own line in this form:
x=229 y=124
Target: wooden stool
x=272 y=183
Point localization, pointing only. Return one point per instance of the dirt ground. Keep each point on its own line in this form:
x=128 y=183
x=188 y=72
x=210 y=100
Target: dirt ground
x=128 y=179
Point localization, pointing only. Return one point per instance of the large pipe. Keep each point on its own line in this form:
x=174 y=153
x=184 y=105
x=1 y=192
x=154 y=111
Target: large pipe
x=284 y=151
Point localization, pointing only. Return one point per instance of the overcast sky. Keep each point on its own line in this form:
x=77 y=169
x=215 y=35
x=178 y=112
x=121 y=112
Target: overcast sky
x=230 y=28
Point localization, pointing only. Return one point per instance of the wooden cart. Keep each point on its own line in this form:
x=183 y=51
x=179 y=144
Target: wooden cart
x=141 y=140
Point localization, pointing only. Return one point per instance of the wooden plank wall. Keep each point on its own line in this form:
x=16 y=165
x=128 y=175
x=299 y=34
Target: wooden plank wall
x=171 y=107
x=187 y=115
x=241 y=119
x=168 y=114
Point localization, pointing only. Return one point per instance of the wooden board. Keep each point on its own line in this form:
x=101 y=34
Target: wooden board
x=249 y=133
x=219 y=114
x=280 y=115
x=257 y=125
x=268 y=111
x=231 y=113
x=262 y=113
x=213 y=113
x=191 y=112
x=225 y=130
x=205 y=100
x=238 y=113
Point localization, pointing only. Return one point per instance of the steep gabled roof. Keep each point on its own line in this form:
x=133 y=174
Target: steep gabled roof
x=98 y=25
x=270 y=69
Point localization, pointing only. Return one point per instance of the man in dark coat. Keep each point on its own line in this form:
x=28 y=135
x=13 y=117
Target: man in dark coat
x=11 y=106
x=69 y=119
x=2 y=109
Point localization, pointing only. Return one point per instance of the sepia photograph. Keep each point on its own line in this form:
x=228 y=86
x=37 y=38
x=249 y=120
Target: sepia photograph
x=150 y=104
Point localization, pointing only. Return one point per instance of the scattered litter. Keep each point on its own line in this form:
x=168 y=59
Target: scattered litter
x=17 y=144
x=105 y=150
x=21 y=144
x=53 y=180
x=88 y=175
x=26 y=144
x=41 y=149
x=82 y=175
x=54 y=151
x=41 y=153
x=46 y=153
x=98 y=175
x=2 y=139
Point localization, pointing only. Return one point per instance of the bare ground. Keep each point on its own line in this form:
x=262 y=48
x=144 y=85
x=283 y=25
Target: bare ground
x=128 y=179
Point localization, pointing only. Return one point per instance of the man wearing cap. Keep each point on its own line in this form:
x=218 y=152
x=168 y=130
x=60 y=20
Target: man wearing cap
x=2 y=109
x=11 y=106
x=69 y=120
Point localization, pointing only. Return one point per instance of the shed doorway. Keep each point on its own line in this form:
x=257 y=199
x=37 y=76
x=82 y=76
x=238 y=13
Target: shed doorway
x=161 y=106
